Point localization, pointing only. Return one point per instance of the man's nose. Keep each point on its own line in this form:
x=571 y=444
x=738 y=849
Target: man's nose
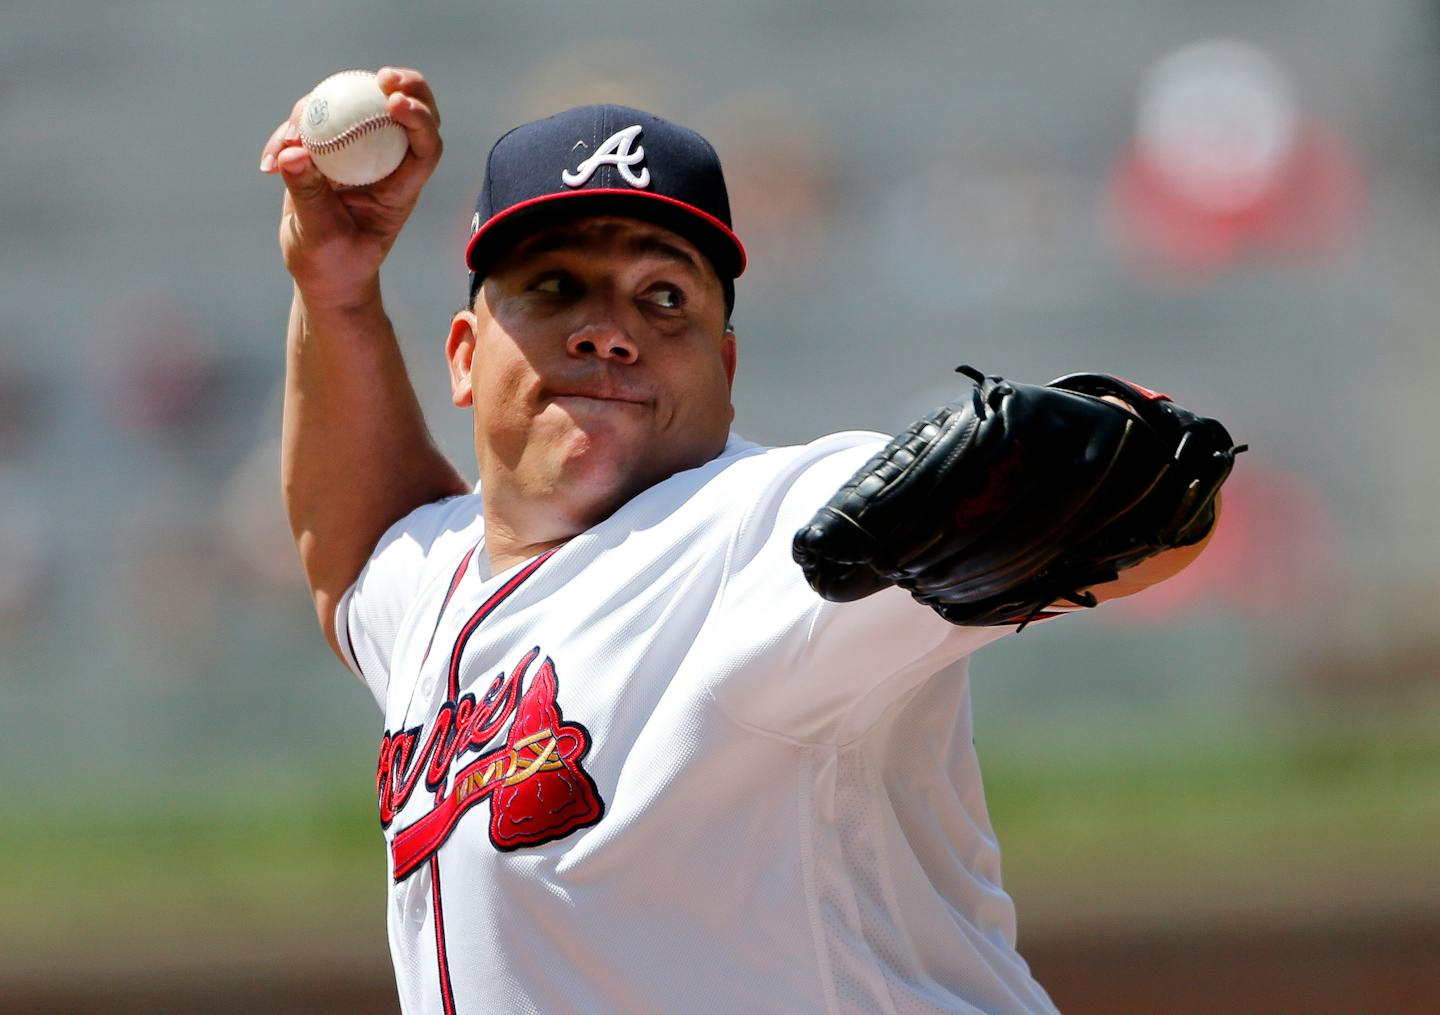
x=606 y=340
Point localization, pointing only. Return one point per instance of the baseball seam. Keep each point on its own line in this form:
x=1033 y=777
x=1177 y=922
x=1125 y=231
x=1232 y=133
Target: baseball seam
x=344 y=138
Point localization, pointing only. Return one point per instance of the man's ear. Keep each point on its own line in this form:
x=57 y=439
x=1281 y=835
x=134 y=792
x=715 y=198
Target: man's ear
x=460 y=354
x=727 y=358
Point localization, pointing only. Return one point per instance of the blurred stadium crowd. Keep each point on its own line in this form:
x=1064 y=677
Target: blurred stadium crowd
x=1238 y=205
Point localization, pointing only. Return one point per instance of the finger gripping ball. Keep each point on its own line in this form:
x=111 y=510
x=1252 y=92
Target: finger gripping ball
x=347 y=129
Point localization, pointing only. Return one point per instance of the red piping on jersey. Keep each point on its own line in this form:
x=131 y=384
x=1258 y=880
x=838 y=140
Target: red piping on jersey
x=454 y=584
x=500 y=595
x=447 y=993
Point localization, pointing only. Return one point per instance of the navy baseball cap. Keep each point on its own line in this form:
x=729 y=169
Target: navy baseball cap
x=604 y=160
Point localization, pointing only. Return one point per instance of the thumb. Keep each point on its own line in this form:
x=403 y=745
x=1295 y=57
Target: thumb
x=318 y=210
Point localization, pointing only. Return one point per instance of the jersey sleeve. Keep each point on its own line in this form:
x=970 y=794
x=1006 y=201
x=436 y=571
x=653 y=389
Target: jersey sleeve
x=799 y=666
x=410 y=557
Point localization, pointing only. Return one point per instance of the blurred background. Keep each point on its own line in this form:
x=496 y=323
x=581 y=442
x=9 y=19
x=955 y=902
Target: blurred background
x=1224 y=795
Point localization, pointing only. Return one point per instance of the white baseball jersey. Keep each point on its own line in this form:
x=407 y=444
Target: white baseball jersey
x=652 y=771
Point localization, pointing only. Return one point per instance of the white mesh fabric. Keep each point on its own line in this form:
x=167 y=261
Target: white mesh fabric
x=914 y=919
x=417 y=552
x=791 y=815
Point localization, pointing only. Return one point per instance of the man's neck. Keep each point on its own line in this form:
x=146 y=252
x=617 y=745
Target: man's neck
x=505 y=548
x=520 y=527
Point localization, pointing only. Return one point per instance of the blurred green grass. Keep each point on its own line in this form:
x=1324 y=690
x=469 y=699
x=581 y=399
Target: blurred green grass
x=1264 y=822
x=1314 y=819
x=206 y=864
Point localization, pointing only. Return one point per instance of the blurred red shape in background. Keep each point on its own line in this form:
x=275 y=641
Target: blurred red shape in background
x=1222 y=166
x=1275 y=552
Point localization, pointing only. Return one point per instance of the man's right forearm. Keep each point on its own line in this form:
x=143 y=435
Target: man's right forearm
x=355 y=454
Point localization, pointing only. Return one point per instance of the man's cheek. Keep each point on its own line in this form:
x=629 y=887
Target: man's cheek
x=500 y=425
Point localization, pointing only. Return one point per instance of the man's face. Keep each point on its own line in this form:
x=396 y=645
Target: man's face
x=598 y=364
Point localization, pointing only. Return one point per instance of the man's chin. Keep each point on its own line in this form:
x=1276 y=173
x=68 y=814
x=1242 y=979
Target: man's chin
x=597 y=482
x=592 y=471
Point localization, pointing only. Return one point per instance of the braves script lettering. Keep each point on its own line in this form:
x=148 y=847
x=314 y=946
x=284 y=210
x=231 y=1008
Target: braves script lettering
x=537 y=789
x=617 y=152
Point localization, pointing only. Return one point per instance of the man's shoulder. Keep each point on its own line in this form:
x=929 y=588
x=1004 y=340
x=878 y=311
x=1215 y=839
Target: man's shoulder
x=826 y=460
x=428 y=531
x=745 y=469
x=761 y=457
x=747 y=476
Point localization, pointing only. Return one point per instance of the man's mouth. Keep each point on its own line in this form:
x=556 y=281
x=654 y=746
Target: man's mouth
x=598 y=394
x=586 y=404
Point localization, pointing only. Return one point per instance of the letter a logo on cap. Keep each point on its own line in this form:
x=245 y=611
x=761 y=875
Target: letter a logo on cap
x=617 y=152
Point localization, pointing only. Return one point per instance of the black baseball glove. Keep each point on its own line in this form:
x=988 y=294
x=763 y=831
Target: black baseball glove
x=1017 y=497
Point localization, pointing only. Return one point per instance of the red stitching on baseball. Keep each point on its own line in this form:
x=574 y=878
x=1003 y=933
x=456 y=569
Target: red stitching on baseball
x=345 y=137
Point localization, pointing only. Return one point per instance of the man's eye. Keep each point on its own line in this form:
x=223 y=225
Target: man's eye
x=669 y=299
x=556 y=283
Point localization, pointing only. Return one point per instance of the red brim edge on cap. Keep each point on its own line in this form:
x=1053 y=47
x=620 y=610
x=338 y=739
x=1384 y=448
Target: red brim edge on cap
x=509 y=213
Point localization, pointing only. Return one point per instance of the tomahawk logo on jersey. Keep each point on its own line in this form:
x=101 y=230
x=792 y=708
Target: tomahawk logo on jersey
x=537 y=789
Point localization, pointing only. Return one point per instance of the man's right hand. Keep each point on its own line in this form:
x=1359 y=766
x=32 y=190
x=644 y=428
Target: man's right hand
x=334 y=240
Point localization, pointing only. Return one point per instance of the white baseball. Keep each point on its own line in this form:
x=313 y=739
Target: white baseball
x=347 y=129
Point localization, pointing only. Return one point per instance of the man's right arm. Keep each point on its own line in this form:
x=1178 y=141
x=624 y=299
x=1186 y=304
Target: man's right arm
x=356 y=455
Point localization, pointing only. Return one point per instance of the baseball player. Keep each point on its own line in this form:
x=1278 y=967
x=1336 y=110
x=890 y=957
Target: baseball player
x=663 y=730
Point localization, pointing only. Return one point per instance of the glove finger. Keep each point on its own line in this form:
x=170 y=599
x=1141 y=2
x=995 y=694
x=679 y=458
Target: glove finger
x=831 y=551
x=846 y=584
x=832 y=535
x=882 y=493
